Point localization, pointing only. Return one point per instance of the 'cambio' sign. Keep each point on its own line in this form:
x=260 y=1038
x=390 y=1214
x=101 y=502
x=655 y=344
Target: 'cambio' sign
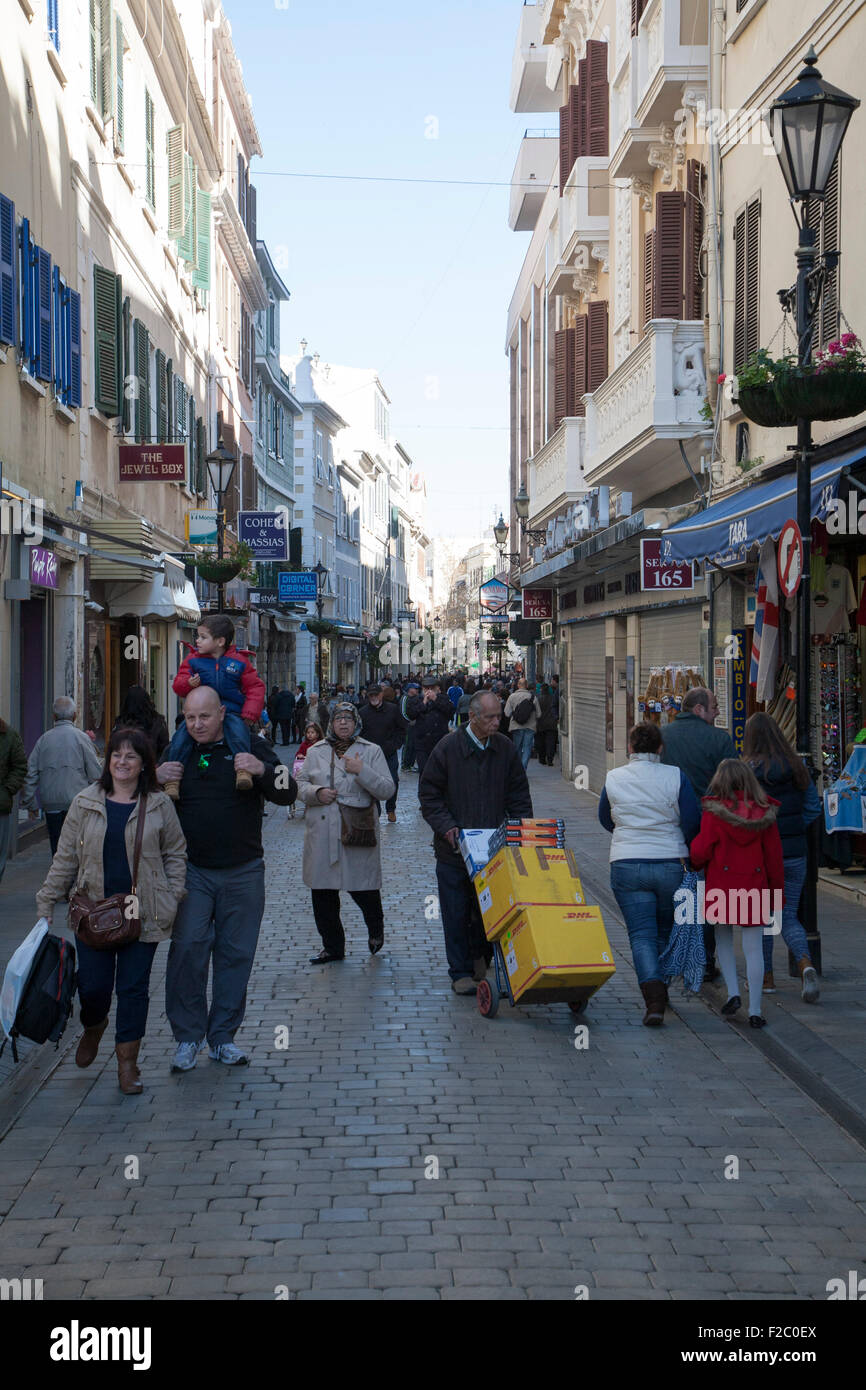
x=658 y=574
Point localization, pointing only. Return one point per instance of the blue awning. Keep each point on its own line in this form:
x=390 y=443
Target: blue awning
x=725 y=533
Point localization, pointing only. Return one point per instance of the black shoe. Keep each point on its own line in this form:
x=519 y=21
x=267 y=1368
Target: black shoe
x=732 y=1005
x=324 y=958
x=375 y=943
x=756 y=1021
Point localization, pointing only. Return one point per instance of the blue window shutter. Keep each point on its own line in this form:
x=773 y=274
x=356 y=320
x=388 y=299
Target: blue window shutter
x=42 y=265
x=74 y=347
x=53 y=23
x=26 y=276
x=57 y=329
x=7 y=270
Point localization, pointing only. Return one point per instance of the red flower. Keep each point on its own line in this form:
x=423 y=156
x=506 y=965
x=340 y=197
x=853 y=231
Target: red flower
x=722 y=377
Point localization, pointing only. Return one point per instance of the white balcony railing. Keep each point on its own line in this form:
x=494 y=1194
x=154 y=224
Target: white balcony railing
x=655 y=396
x=533 y=171
x=671 y=49
x=529 y=89
x=556 y=470
x=582 y=228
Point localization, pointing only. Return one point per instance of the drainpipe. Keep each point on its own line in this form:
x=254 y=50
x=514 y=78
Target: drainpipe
x=714 y=276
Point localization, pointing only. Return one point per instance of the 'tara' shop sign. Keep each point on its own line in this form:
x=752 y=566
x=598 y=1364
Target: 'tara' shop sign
x=148 y=463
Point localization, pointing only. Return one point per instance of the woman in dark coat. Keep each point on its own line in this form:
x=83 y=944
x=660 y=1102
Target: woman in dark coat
x=139 y=712
x=545 y=727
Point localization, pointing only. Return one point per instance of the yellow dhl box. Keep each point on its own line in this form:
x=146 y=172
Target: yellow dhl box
x=517 y=878
x=556 y=948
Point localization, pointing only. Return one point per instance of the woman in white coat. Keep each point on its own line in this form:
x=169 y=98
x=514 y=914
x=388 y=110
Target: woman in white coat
x=340 y=780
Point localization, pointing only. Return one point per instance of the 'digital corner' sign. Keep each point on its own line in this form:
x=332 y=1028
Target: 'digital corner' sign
x=148 y=463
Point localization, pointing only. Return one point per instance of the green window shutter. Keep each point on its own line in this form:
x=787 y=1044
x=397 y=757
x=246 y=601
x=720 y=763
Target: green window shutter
x=176 y=180
x=94 y=52
x=169 y=401
x=107 y=340
x=161 y=399
x=125 y=359
x=186 y=242
x=199 y=457
x=141 y=344
x=118 y=73
x=105 y=72
x=150 y=160
x=201 y=273
x=190 y=443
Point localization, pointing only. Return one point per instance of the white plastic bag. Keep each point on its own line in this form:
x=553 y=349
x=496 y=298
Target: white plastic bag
x=17 y=973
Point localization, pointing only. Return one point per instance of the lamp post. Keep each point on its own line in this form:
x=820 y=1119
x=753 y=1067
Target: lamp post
x=500 y=535
x=319 y=570
x=521 y=506
x=220 y=466
x=808 y=124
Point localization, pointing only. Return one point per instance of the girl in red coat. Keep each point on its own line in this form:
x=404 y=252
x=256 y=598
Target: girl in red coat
x=740 y=845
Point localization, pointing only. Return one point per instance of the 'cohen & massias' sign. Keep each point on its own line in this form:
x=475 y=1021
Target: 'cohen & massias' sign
x=148 y=463
x=266 y=534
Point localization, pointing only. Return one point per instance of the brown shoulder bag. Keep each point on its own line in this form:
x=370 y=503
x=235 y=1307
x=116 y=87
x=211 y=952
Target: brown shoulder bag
x=103 y=925
x=358 y=828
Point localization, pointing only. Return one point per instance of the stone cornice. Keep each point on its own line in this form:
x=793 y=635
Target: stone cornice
x=171 y=61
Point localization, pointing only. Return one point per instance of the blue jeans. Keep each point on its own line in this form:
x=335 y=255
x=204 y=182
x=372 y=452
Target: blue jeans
x=235 y=732
x=523 y=740
x=54 y=821
x=126 y=969
x=461 y=919
x=793 y=931
x=644 y=890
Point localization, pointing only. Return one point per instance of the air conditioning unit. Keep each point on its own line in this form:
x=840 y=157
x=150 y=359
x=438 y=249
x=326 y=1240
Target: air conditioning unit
x=622 y=505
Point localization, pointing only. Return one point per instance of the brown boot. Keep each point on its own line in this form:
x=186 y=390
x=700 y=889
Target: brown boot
x=128 y=1075
x=243 y=781
x=653 y=992
x=89 y=1045
x=172 y=789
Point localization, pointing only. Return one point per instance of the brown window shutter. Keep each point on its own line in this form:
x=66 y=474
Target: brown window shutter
x=827 y=225
x=739 y=290
x=249 y=481
x=581 y=364
x=598 y=101
x=668 y=257
x=753 y=275
x=597 y=354
x=694 y=238
x=574 y=100
x=564 y=144
x=561 y=380
x=648 y=249
x=637 y=9
x=582 y=128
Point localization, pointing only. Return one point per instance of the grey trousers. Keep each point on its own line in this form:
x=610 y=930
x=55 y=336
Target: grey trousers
x=5 y=841
x=220 y=917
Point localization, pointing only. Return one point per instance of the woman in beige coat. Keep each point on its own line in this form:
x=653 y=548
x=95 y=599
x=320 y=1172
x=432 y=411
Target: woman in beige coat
x=95 y=855
x=343 y=770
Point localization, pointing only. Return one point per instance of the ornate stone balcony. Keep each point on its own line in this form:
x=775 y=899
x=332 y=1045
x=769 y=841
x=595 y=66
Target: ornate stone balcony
x=651 y=401
x=578 y=243
x=556 y=471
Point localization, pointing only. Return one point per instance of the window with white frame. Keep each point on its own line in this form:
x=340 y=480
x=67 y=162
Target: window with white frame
x=260 y=411
x=320 y=455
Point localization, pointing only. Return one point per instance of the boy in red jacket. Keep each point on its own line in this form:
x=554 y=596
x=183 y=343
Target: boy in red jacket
x=217 y=662
x=740 y=845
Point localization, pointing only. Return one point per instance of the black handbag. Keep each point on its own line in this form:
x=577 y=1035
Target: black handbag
x=358 y=826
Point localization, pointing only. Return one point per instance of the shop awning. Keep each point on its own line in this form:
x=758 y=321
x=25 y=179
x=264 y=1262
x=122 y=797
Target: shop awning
x=168 y=596
x=726 y=532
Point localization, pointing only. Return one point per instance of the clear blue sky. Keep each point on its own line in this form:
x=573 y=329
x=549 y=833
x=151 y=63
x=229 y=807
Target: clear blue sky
x=413 y=279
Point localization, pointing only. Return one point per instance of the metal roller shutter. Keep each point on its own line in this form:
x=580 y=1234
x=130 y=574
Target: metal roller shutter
x=586 y=698
x=669 y=636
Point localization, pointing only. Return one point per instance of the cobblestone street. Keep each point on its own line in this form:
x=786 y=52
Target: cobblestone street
x=401 y=1146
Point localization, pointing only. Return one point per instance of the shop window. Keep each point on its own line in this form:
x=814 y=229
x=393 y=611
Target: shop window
x=743 y=443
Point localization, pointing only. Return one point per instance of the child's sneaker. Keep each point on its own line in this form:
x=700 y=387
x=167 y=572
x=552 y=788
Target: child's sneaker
x=172 y=789
x=243 y=781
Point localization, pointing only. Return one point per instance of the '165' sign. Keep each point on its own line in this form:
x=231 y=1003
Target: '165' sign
x=655 y=574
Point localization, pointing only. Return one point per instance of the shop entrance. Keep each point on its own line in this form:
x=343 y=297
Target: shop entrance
x=35 y=647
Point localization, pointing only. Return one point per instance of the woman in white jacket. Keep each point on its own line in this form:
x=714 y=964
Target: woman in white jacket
x=343 y=770
x=654 y=815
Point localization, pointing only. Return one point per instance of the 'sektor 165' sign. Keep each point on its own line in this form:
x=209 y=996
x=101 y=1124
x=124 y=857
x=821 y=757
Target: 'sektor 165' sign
x=655 y=574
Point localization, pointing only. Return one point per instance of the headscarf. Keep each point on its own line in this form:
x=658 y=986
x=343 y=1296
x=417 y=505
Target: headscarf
x=342 y=745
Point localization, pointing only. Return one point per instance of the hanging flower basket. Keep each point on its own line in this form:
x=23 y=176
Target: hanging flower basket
x=320 y=627
x=218 y=571
x=813 y=394
x=762 y=406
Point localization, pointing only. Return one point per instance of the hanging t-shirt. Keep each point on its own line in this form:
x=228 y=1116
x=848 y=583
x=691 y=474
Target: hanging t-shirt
x=831 y=606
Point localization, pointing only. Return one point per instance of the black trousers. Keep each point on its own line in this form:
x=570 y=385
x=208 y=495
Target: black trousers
x=545 y=745
x=326 y=911
x=286 y=730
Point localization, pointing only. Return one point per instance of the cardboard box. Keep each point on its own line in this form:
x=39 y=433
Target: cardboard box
x=519 y=878
x=478 y=847
x=549 y=949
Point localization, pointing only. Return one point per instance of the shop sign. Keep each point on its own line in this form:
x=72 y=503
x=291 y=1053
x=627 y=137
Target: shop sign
x=493 y=596
x=266 y=534
x=538 y=603
x=495 y=619
x=657 y=575
x=297 y=586
x=406 y=615
x=148 y=463
x=201 y=527
x=739 y=677
x=43 y=567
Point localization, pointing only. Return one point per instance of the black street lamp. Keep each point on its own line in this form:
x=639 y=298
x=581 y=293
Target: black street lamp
x=521 y=506
x=319 y=570
x=500 y=535
x=220 y=466
x=808 y=124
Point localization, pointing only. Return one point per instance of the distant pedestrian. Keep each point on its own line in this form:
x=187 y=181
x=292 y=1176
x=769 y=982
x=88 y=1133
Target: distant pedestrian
x=317 y=710
x=408 y=760
x=472 y=780
x=340 y=780
x=13 y=775
x=221 y=915
x=299 y=717
x=432 y=712
x=96 y=852
x=283 y=714
x=385 y=726
x=522 y=710
x=692 y=743
x=462 y=711
x=545 y=728
x=653 y=815
x=740 y=845
x=783 y=776
x=63 y=762
x=139 y=712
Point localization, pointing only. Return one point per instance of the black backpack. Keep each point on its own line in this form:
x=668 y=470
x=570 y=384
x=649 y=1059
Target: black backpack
x=46 y=1003
x=522 y=712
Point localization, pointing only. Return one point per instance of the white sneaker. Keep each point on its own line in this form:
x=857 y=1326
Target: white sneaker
x=228 y=1054
x=811 y=990
x=185 y=1055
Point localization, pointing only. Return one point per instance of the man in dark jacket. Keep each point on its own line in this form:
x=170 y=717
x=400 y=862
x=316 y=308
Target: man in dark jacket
x=13 y=775
x=694 y=745
x=384 y=725
x=283 y=713
x=473 y=780
x=432 y=712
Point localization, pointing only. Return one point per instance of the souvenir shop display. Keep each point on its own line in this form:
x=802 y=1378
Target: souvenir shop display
x=783 y=706
x=845 y=798
x=836 y=702
x=662 y=700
